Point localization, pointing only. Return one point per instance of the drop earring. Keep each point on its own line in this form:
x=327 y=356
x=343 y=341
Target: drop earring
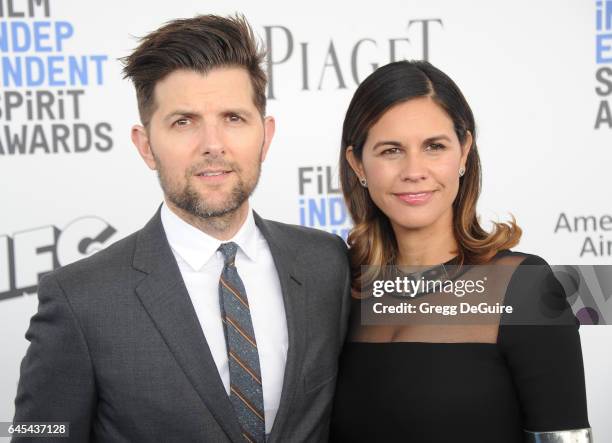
x=461 y=171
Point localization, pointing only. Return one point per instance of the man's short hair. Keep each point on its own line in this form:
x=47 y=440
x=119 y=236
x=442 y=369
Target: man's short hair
x=200 y=44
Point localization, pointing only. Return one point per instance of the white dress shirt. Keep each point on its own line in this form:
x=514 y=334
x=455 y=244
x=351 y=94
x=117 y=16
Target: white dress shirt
x=201 y=264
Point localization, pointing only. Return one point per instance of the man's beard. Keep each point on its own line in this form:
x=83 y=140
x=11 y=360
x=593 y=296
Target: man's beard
x=189 y=200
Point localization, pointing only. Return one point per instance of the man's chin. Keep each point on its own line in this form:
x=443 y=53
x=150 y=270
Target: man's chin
x=205 y=205
x=215 y=210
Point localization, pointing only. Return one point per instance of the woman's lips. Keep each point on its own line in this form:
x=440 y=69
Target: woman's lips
x=415 y=198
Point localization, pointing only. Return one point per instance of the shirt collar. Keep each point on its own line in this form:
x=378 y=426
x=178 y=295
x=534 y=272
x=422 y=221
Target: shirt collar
x=197 y=247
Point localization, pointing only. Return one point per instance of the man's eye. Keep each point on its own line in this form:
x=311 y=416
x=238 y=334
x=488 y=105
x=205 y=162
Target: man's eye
x=181 y=122
x=234 y=118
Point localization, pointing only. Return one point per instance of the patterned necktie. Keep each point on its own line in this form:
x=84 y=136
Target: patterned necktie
x=246 y=393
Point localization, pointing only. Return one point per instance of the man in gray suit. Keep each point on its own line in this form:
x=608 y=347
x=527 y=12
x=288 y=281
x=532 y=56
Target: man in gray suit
x=210 y=323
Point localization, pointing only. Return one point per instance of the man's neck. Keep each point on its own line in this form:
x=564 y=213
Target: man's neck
x=222 y=228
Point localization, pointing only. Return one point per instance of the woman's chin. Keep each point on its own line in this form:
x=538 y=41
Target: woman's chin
x=412 y=224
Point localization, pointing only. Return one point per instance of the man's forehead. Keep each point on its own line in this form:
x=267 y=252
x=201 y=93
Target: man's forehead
x=228 y=82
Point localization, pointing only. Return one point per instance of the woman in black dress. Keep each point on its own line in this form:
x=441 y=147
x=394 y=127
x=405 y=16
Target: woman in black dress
x=410 y=175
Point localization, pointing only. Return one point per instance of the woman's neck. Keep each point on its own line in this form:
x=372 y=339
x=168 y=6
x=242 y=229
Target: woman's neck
x=425 y=247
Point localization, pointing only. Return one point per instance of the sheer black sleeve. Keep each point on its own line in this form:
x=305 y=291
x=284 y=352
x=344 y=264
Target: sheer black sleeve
x=541 y=345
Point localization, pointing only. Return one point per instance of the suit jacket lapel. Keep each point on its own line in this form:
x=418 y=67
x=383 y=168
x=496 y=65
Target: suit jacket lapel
x=165 y=298
x=292 y=286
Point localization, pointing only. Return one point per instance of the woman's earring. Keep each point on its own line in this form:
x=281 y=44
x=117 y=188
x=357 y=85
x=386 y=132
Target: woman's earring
x=461 y=171
x=363 y=182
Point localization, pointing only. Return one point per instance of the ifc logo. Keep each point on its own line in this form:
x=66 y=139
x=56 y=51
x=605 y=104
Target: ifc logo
x=28 y=255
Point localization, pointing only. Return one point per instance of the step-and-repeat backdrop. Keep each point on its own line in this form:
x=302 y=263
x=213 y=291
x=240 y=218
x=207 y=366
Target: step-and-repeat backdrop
x=537 y=74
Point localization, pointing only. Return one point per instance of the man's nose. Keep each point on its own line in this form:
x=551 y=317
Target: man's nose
x=211 y=141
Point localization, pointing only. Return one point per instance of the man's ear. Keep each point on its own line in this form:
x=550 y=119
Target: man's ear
x=140 y=138
x=355 y=163
x=269 y=129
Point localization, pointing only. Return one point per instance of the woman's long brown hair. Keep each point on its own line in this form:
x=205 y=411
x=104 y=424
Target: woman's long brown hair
x=372 y=240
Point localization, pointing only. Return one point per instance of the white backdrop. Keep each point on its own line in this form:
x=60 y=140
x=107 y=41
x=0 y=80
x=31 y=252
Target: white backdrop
x=529 y=70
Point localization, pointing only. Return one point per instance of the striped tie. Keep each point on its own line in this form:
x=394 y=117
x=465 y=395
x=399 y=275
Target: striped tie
x=246 y=392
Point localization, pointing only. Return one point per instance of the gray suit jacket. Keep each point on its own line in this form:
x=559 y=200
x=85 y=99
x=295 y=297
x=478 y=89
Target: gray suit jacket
x=116 y=348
